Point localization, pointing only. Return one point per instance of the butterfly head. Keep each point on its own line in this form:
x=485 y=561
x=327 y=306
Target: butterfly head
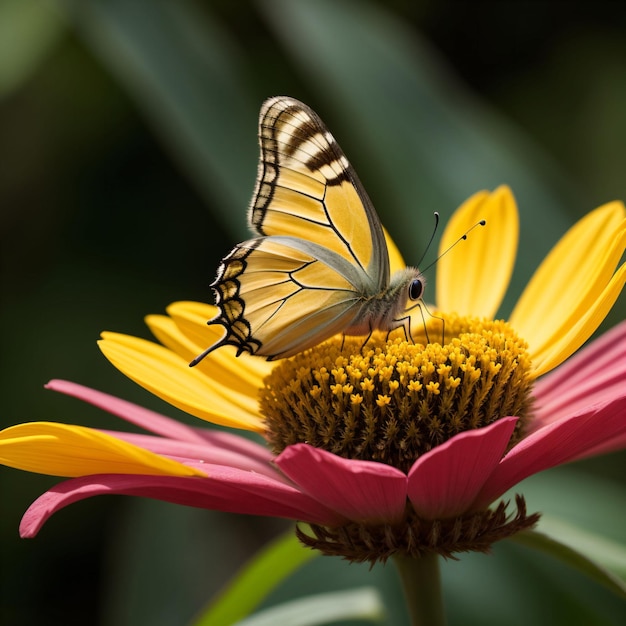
x=406 y=288
x=405 y=293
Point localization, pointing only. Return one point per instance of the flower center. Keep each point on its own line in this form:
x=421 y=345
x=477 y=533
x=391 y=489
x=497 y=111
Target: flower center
x=392 y=401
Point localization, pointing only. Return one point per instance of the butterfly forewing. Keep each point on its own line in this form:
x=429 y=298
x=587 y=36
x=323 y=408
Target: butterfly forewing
x=307 y=188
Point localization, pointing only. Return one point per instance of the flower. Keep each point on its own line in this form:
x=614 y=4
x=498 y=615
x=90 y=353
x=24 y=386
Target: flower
x=386 y=448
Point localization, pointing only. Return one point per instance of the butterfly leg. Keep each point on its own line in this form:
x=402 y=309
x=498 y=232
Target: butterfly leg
x=443 y=329
x=441 y=319
x=369 y=336
x=405 y=324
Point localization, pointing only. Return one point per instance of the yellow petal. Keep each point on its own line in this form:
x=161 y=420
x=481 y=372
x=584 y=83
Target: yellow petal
x=221 y=365
x=570 y=280
x=71 y=451
x=169 y=376
x=396 y=262
x=244 y=373
x=235 y=373
x=473 y=277
x=565 y=344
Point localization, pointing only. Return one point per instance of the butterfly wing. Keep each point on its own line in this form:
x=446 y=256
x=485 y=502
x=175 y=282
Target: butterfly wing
x=321 y=249
x=281 y=295
x=306 y=188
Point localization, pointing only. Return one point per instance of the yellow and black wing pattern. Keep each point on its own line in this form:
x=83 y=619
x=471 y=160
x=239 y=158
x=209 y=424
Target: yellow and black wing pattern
x=306 y=188
x=319 y=252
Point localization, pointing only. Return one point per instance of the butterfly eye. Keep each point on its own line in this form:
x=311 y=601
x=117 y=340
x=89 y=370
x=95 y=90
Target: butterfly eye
x=416 y=289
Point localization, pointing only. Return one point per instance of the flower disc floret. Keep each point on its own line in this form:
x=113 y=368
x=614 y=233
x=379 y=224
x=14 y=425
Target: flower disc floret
x=392 y=401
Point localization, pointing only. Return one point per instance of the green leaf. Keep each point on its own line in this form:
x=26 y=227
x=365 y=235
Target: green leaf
x=588 y=537
x=258 y=578
x=364 y=603
x=587 y=501
x=599 y=558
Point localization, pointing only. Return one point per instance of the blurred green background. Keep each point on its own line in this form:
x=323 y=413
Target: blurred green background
x=128 y=155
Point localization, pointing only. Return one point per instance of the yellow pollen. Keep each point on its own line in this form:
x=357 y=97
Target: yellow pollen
x=452 y=383
x=433 y=388
x=410 y=397
x=336 y=389
x=383 y=401
x=368 y=385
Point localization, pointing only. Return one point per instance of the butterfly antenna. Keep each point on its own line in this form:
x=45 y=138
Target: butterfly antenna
x=461 y=238
x=432 y=236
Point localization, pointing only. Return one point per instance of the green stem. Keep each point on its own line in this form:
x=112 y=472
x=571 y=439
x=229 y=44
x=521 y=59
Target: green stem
x=421 y=582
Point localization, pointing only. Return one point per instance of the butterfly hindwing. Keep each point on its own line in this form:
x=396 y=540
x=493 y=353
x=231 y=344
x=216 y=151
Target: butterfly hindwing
x=278 y=297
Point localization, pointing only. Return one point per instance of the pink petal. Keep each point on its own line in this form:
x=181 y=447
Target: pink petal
x=150 y=420
x=359 y=490
x=601 y=351
x=594 y=374
x=555 y=444
x=226 y=490
x=199 y=454
x=236 y=443
x=160 y=424
x=615 y=444
x=445 y=481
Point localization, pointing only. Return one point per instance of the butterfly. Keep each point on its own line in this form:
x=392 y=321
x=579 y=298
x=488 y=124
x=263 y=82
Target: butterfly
x=318 y=263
